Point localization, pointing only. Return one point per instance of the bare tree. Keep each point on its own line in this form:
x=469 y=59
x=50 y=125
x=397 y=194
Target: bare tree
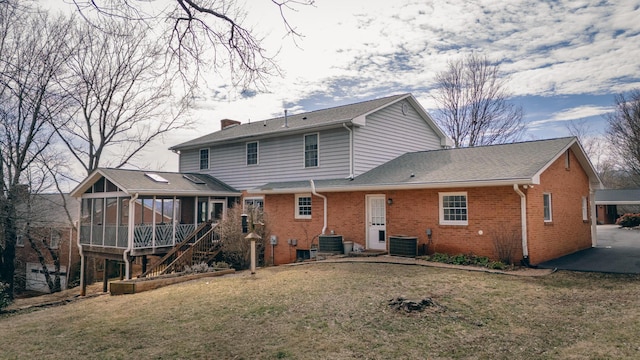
x=623 y=132
x=202 y=33
x=31 y=65
x=594 y=144
x=474 y=107
x=121 y=101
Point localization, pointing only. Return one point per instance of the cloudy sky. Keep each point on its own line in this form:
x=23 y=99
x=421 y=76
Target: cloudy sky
x=565 y=60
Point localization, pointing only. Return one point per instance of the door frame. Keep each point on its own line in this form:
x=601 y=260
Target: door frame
x=368 y=198
x=212 y=203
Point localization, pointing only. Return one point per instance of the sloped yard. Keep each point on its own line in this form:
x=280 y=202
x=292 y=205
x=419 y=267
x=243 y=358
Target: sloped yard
x=342 y=311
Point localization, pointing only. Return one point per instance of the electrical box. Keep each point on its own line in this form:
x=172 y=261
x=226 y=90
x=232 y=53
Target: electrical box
x=274 y=240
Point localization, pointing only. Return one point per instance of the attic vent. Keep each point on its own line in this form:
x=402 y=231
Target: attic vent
x=156 y=178
x=194 y=179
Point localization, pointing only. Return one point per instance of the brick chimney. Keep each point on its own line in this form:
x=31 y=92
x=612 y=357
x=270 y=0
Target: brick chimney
x=225 y=123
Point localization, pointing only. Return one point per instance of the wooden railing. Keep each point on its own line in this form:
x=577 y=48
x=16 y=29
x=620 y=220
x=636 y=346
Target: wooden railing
x=202 y=239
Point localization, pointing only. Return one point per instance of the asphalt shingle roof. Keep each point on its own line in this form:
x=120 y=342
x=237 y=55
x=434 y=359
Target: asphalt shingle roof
x=613 y=196
x=312 y=119
x=505 y=162
x=485 y=163
x=136 y=181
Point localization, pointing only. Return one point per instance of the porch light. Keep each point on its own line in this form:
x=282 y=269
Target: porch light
x=390 y=201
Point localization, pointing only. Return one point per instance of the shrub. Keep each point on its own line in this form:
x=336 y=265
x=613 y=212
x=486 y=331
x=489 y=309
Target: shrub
x=197 y=268
x=629 y=220
x=507 y=243
x=5 y=298
x=465 y=259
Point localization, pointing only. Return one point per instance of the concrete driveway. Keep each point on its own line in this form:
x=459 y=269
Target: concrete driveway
x=617 y=251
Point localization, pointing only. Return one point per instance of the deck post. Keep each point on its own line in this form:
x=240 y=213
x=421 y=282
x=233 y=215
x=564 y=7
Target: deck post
x=144 y=264
x=105 y=275
x=83 y=275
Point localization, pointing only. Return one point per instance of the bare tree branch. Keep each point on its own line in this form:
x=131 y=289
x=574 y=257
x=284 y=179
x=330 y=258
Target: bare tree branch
x=121 y=101
x=623 y=132
x=473 y=104
x=203 y=34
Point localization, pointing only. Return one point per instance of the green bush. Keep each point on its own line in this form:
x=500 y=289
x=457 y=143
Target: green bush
x=5 y=299
x=629 y=220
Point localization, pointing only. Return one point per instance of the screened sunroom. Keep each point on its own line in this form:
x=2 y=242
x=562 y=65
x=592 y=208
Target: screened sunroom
x=129 y=213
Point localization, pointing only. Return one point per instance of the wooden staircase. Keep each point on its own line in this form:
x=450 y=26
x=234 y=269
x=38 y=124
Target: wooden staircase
x=201 y=246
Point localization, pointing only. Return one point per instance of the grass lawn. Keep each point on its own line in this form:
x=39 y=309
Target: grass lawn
x=341 y=311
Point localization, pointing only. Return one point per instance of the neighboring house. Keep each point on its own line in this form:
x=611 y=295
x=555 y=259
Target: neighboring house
x=129 y=214
x=50 y=227
x=613 y=203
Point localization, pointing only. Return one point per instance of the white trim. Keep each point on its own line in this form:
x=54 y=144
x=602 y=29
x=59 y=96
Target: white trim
x=441 y=195
x=246 y=153
x=367 y=225
x=304 y=150
x=585 y=209
x=383 y=187
x=550 y=219
x=297 y=207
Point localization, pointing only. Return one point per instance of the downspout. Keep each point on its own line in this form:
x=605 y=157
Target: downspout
x=82 y=260
x=594 y=219
x=313 y=191
x=127 y=251
x=350 y=150
x=523 y=216
x=70 y=251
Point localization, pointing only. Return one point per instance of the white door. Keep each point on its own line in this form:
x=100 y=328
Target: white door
x=376 y=222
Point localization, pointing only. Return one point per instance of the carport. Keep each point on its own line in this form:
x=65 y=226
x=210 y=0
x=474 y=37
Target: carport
x=608 y=200
x=618 y=251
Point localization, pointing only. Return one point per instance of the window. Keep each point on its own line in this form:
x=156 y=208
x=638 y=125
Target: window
x=19 y=240
x=453 y=208
x=252 y=153
x=546 y=200
x=311 y=150
x=585 y=207
x=257 y=203
x=303 y=206
x=204 y=159
x=55 y=239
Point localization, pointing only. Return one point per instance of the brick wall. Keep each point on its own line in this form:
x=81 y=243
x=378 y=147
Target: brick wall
x=492 y=212
x=567 y=233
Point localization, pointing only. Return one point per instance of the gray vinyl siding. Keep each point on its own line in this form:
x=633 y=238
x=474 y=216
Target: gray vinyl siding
x=279 y=159
x=190 y=160
x=388 y=134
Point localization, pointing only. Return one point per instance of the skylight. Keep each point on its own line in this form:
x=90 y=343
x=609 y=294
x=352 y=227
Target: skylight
x=194 y=179
x=157 y=178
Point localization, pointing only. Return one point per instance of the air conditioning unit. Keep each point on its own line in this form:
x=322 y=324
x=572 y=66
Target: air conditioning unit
x=330 y=243
x=400 y=245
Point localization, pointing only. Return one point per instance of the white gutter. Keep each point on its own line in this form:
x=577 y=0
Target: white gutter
x=351 y=175
x=408 y=186
x=594 y=219
x=82 y=265
x=127 y=251
x=523 y=216
x=313 y=191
